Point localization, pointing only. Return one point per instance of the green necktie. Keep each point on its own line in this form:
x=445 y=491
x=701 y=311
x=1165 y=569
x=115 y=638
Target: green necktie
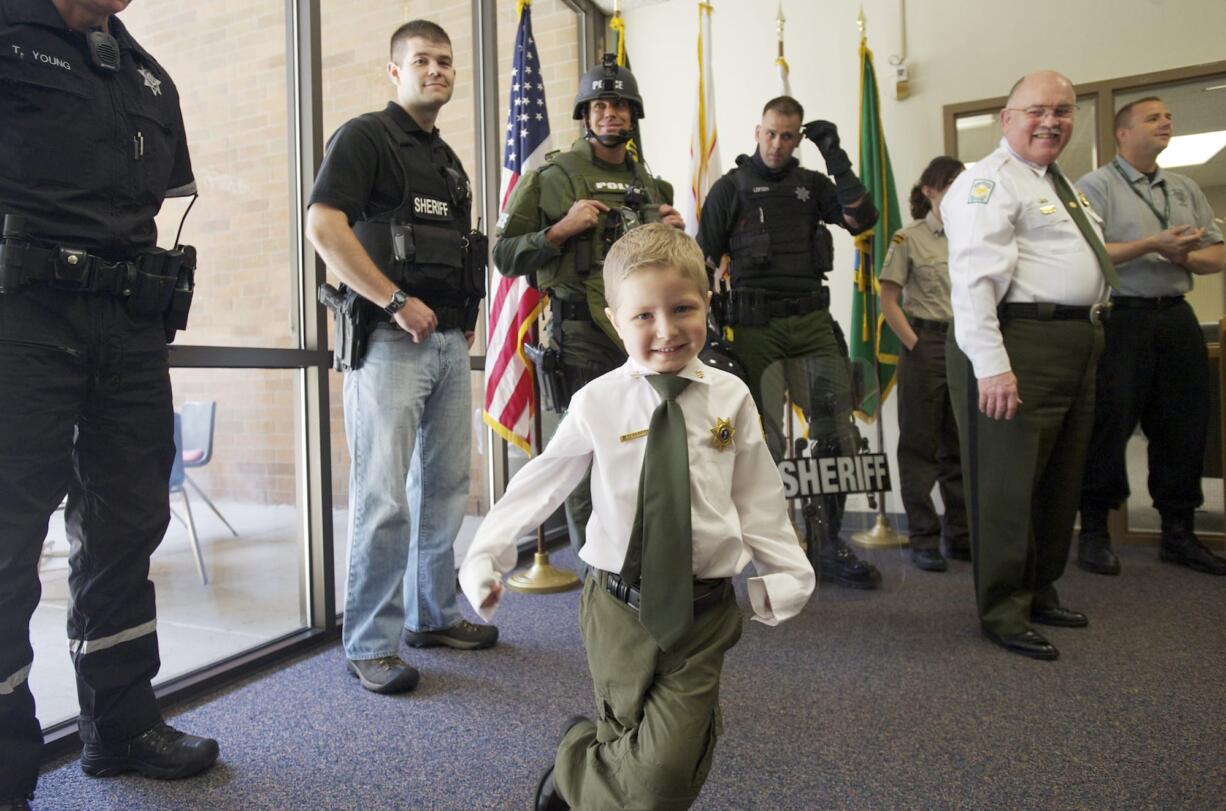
x=659 y=559
x=1065 y=192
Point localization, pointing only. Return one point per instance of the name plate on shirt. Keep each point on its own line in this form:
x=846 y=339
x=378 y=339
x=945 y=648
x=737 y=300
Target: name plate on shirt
x=808 y=476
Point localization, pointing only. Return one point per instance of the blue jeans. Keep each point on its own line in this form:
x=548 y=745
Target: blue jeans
x=407 y=414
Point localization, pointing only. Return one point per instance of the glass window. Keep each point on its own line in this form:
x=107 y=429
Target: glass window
x=238 y=499
x=230 y=71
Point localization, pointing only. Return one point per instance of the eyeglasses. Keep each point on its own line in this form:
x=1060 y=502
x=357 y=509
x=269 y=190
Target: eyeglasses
x=1038 y=112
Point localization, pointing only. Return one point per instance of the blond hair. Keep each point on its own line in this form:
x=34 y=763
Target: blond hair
x=657 y=246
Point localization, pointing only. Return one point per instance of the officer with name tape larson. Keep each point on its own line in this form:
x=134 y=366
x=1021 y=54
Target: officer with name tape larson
x=771 y=215
x=390 y=213
x=561 y=220
x=91 y=144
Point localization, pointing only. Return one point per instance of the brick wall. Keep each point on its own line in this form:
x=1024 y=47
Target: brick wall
x=228 y=59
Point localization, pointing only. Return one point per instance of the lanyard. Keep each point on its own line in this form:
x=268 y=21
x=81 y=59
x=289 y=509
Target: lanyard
x=1163 y=216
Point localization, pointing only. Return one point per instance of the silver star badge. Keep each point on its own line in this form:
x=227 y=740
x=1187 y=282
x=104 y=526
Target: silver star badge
x=152 y=82
x=802 y=194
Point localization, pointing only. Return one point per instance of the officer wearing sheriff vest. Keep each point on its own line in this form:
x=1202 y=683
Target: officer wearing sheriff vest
x=770 y=215
x=91 y=143
x=390 y=214
x=1028 y=277
x=561 y=220
x=1155 y=370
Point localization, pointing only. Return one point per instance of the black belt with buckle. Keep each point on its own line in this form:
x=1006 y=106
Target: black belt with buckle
x=1044 y=311
x=1145 y=302
x=570 y=310
x=929 y=325
x=708 y=593
x=65 y=268
x=784 y=306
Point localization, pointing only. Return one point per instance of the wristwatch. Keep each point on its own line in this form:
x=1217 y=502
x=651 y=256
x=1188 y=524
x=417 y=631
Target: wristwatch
x=399 y=299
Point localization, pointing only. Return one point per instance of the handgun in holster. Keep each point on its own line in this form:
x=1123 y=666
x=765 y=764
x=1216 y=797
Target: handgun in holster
x=555 y=392
x=352 y=326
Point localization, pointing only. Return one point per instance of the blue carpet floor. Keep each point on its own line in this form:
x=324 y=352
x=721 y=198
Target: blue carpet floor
x=877 y=700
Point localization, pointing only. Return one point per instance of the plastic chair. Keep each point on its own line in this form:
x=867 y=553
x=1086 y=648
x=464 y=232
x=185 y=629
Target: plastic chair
x=197 y=447
x=177 y=477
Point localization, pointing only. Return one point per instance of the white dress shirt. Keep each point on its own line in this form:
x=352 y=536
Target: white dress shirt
x=1012 y=240
x=738 y=511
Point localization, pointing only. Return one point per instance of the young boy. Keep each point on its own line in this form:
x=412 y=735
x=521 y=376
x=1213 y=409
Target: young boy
x=657 y=691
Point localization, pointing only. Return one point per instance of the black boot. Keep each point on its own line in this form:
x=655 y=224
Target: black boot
x=1180 y=545
x=831 y=558
x=162 y=752
x=1094 y=553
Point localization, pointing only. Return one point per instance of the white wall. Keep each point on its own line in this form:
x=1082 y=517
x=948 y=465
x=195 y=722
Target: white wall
x=958 y=50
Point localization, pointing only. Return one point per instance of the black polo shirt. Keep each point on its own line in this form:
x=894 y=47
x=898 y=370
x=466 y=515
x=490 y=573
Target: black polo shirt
x=361 y=175
x=87 y=159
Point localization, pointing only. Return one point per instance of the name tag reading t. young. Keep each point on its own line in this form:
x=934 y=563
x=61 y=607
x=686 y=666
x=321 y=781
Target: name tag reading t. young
x=808 y=476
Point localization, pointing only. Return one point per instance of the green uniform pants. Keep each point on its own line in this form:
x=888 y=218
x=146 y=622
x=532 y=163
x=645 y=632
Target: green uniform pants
x=657 y=714
x=589 y=353
x=1024 y=475
x=799 y=354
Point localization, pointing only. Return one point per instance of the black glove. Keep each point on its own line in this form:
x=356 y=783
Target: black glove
x=825 y=136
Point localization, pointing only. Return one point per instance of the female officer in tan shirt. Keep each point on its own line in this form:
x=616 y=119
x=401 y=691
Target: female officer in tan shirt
x=916 y=267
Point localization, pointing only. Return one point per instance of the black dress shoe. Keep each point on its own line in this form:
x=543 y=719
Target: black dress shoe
x=958 y=553
x=547 y=797
x=929 y=560
x=1094 y=553
x=1059 y=617
x=162 y=752
x=1028 y=643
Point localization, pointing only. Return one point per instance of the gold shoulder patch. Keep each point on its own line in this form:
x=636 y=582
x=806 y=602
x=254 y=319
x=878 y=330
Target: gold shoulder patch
x=898 y=238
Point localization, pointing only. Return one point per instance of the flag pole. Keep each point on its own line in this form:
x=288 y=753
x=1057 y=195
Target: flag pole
x=542 y=577
x=882 y=535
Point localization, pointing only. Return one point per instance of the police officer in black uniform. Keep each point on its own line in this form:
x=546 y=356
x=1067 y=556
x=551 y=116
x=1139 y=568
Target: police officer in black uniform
x=91 y=143
x=770 y=215
x=390 y=214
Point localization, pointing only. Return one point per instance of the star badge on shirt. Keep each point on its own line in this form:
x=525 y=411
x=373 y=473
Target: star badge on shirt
x=722 y=434
x=802 y=194
x=152 y=82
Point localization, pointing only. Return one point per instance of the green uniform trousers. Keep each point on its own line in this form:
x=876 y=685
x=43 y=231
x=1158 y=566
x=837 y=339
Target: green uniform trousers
x=657 y=714
x=928 y=450
x=799 y=354
x=589 y=353
x=1024 y=475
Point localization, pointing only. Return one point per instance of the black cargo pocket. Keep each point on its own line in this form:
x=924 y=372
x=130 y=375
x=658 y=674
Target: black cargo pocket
x=151 y=147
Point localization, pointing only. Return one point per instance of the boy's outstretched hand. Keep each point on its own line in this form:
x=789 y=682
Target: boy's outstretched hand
x=494 y=596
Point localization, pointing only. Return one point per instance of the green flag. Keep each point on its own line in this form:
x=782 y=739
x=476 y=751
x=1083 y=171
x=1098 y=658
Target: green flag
x=870 y=335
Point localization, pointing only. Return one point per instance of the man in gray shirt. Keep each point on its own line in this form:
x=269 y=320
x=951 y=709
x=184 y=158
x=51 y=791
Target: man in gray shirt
x=1159 y=231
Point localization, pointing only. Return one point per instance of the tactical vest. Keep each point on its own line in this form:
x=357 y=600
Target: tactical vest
x=779 y=241
x=420 y=245
x=583 y=257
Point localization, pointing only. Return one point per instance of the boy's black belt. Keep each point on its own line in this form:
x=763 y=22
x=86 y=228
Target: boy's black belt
x=1043 y=311
x=1145 y=302
x=929 y=325
x=708 y=593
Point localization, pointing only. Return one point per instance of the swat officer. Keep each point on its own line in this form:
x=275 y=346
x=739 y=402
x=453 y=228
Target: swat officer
x=770 y=215
x=390 y=214
x=562 y=219
x=91 y=143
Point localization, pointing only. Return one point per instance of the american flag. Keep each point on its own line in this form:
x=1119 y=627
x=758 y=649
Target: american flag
x=515 y=305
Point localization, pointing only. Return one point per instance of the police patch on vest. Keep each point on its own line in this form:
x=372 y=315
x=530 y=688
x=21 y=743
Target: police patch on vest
x=610 y=185
x=981 y=191
x=431 y=208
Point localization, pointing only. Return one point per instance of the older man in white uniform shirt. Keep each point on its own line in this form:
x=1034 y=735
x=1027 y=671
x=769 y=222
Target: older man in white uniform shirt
x=1027 y=281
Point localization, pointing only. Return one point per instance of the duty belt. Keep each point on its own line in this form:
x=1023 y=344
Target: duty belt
x=1145 y=302
x=71 y=269
x=708 y=593
x=448 y=316
x=929 y=325
x=1043 y=311
x=784 y=305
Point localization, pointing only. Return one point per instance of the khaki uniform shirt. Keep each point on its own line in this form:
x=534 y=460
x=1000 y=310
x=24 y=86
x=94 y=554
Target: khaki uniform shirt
x=918 y=262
